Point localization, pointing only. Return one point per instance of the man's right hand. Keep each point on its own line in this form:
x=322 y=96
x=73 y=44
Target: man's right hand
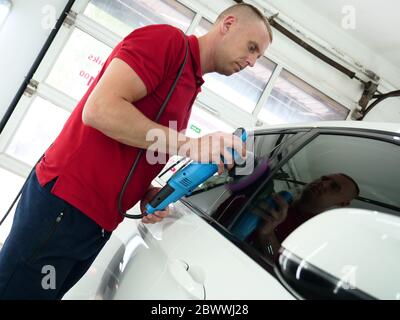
x=274 y=217
x=215 y=148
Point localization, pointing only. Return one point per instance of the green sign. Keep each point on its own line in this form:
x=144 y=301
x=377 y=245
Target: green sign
x=195 y=129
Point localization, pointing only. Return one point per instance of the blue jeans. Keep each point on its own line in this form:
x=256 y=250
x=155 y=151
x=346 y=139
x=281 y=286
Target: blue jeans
x=50 y=246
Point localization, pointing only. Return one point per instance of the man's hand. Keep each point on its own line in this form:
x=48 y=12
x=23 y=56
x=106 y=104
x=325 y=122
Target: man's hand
x=274 y=217
x=279 y=214
x=215 y=148
x=156 y=216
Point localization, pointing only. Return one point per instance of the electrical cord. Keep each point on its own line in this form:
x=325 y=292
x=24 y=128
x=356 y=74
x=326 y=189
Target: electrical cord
x=19 y=193
x=12 y=205
x=128 y=178
x=379 y=98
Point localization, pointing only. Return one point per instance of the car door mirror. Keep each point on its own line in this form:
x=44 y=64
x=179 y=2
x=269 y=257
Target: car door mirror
x=343 y=254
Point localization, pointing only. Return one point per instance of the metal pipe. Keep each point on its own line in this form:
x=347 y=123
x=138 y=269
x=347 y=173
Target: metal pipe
x=380 y=98
x=311 y=49
x=279 y=22
x=35 y=65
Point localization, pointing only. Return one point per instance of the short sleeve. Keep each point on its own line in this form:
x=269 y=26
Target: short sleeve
x=153 y=52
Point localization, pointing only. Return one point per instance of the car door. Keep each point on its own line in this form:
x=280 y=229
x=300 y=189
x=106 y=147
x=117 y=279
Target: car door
x=338 y=168
x=192 y=255
x=198 y=252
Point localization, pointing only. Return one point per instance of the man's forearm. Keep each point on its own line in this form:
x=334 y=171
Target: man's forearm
x=126 y=124
x=118 y=119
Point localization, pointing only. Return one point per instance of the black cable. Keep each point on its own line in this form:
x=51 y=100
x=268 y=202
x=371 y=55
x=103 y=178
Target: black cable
x=35 y=65
x=13 y=203
x=128 y=178
x=315 y=52
x=137 y=158
x=19 y=193
x=24 y=85
x=380 y=98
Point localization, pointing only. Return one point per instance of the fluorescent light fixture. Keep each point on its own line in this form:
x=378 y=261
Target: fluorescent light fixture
x=5 y=6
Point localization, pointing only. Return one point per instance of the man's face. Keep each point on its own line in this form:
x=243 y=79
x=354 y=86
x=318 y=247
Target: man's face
x=328 y=191
x=243 y=43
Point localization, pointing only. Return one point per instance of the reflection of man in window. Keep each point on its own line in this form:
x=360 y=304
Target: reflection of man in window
x=334 y=190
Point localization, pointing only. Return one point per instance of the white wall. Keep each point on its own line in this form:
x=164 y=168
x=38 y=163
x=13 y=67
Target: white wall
x=21 y=39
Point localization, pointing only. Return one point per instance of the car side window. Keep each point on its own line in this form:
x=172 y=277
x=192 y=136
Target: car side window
x=331 y=171
x=219 y=193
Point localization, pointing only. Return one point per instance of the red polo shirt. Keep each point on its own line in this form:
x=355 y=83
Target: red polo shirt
x=293 y=220
x=90 y=167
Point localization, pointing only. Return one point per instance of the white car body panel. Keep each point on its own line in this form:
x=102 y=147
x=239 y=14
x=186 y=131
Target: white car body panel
x=214 y=262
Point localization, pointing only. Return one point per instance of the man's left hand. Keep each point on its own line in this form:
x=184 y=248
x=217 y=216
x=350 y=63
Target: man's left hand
x=157 y=216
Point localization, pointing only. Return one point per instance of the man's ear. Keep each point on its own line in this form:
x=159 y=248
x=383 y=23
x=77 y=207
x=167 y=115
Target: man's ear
x=227 y=23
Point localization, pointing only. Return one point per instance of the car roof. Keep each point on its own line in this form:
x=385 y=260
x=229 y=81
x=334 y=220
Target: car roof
x=380 y=126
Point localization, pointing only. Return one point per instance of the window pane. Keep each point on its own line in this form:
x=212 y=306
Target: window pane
x=5 y=7
x=78 y=64
x=202 y=122
x=123 y=16
x=320 y=177
x=244 y=88
x=41 y=124
x=293 y=100
x=202 y=27
x=220 y=196
x=372 y=163
x=10 y=184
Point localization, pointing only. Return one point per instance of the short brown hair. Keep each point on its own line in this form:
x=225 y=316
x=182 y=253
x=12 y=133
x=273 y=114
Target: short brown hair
x=356 y=187
x=250 y=8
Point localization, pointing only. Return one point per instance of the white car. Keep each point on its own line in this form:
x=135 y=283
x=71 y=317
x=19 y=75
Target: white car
x=211 y=246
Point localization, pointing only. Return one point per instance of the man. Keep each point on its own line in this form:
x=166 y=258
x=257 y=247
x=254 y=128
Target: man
x=69 y=206
x=334 y=190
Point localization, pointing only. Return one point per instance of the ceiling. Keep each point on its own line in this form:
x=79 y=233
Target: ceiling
x=377 y=22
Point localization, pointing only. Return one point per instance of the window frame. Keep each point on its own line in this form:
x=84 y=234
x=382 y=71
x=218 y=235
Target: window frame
x=307 y=87
x=310 y=134
x=127 y=24
x=8 y=5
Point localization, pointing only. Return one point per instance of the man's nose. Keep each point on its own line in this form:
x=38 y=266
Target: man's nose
x=251 y=60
